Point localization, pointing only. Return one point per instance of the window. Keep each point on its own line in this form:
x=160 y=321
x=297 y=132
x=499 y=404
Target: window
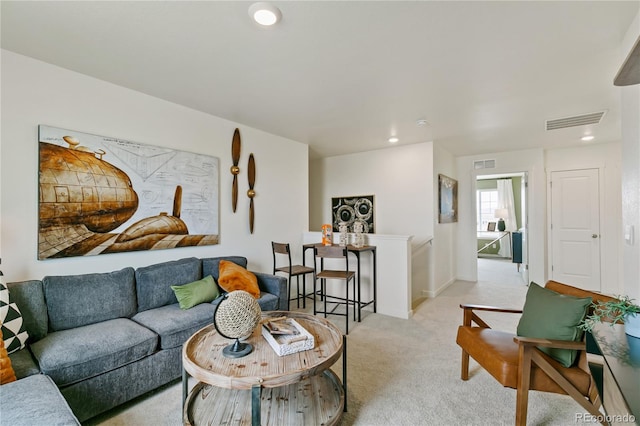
x=487 y=203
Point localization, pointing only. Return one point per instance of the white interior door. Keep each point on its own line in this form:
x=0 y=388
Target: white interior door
x=524 y=270
x=575 y=228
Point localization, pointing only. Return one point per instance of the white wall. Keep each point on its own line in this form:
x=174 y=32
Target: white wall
x=630 y=108
x=442 y=253
x=530 y=161
x=36 y=93
x=607 y=159
x=401 y=180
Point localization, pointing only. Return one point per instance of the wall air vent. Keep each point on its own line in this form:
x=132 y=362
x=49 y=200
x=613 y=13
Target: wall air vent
x=484 y=164
x=577 y=120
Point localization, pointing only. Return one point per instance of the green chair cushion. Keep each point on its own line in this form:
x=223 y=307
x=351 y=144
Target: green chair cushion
x=550 y=315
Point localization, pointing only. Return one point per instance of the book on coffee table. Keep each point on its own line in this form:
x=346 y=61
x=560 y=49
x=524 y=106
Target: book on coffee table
x=286 y=336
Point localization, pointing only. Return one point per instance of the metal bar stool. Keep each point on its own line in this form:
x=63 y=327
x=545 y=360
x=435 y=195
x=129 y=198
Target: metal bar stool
x=280 y=251
x=334 y=252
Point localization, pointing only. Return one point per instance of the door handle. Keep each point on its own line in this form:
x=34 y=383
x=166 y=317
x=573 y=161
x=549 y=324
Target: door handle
x=594 y=235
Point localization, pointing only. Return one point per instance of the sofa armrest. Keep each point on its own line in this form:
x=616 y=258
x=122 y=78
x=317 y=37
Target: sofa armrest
x=35 y=400
x=275 y=285
x=29 y=296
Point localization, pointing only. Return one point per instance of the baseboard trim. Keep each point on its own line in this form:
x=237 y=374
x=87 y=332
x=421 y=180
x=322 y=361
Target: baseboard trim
x=432 y=294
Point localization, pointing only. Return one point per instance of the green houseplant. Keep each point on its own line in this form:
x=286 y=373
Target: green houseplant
x=622 y=309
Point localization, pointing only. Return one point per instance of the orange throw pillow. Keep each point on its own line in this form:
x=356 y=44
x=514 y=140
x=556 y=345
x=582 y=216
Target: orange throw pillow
x=235 y=277
x=6 y=370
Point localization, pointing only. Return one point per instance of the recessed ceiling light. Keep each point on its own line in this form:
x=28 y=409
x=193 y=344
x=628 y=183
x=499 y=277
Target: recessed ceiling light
x=264 y=13
x=587 y=138
x=393 y=139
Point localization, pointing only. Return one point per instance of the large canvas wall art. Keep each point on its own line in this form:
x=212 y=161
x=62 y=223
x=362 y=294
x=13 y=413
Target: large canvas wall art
x=447 y=199
x=351 y=209
x=101 y=194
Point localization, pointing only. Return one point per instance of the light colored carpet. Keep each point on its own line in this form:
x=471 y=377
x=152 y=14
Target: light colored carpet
x=407 y=372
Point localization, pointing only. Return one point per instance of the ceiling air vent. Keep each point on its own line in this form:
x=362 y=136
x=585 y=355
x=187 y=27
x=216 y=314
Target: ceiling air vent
x=484 y=164
x=577 y=120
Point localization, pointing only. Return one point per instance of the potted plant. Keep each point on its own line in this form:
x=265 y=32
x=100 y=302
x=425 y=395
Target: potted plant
x=622 y=309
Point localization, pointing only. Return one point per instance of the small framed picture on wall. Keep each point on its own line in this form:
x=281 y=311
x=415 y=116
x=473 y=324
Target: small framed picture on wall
x=447 y=199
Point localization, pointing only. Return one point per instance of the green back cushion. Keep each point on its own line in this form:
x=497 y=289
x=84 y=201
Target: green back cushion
x=550 y=315
x=192 y=294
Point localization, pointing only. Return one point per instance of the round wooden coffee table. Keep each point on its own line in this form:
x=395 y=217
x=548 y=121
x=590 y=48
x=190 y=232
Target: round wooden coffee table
x=293 y=389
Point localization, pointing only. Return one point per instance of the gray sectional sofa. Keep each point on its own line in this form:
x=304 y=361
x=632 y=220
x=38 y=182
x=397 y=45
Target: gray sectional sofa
x=107 y=338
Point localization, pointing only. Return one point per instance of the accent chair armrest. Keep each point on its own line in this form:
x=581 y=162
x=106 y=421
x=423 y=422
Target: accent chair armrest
x=470 y=316
x=489 y=308
x=550 y=343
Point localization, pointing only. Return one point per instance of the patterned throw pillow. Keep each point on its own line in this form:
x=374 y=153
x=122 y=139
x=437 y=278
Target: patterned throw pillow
x=13 y=332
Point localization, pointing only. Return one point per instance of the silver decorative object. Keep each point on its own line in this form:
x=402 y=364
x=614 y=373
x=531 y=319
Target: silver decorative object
x=344 y=235
x=358 y=236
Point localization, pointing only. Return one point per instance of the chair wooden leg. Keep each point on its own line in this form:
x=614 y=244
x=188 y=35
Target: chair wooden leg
x=464 y=370
x=524 y=380
x=565 y=384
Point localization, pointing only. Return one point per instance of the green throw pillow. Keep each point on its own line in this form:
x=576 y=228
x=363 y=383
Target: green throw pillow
x=192 y=294
x=550 y=315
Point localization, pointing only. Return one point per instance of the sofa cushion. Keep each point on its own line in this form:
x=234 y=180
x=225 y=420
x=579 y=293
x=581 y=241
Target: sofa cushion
x=14 y=334
x=29 y=296
x=153 y=282
x=235 y=277
x=175 y=325
x=192 y=294
x=35 y=399
x=72 y=300
x=211 y=265
x=550 y=315
x=72 y=355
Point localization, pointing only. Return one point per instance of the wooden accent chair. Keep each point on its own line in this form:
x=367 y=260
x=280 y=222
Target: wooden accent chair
x=515 y=361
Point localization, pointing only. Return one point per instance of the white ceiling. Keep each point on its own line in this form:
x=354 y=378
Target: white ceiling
x=344 y=76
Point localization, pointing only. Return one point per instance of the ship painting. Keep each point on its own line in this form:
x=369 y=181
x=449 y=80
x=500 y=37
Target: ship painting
x=102 y=195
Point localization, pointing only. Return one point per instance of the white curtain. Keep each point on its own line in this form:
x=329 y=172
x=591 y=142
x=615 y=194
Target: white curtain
x=505 y=201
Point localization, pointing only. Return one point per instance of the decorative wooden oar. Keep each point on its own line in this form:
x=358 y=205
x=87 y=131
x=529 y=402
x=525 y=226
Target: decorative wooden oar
x=235 y=156
x=177 y=201
x=251 y=193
